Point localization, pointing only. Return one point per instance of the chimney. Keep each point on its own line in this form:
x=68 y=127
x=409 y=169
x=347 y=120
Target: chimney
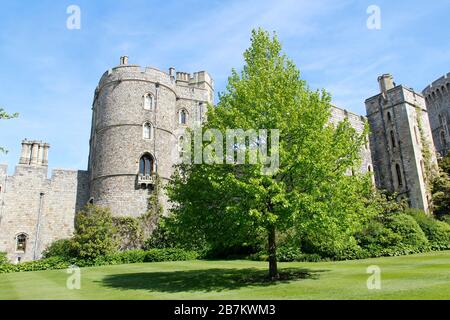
x=46 y=146
x=25 y=155
x=123 y=60
x=34 y=153
x=386 y=82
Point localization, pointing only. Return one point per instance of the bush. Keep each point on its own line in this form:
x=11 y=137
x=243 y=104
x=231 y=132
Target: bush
x=94 y=233
x=396 y=234
x=3 y=258
x=409 y=237
x=60 y=248
x=437 y=232
x=129 y=233
x=288 y=255
x=162 y=236
x=52 y=263
x=170 y=254
x=131 y=256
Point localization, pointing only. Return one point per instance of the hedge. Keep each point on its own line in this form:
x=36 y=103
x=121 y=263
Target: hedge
x=125 y=257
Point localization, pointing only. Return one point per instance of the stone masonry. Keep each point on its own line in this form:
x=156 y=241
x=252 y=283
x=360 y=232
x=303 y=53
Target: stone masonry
x=39 y=209
x=400 y=131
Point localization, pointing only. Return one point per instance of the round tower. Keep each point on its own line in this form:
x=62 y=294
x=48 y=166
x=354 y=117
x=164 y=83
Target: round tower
x=135 y=120
x=437 y=98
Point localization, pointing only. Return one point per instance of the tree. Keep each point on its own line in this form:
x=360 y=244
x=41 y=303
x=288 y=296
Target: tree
x=94 y=232
x=236 y=203
x=4 y=115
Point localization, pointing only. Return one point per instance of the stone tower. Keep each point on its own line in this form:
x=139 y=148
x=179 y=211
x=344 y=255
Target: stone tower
x=437 y=98
x=137 y=116
x=401 y=139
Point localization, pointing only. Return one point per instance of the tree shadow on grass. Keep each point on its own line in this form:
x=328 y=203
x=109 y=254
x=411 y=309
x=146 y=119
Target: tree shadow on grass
x=204 y=280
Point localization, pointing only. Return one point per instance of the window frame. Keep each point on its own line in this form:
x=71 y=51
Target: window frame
x=152 y=101
x=21 y=248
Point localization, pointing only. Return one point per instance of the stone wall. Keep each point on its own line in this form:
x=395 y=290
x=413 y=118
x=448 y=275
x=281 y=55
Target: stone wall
x=42 y=209
x=358 y=123
x=400 y=132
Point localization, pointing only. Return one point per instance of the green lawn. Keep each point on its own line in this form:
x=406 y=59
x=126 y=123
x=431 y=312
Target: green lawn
x=423 y=276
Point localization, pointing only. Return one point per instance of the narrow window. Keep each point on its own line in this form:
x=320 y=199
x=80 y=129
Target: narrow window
x=181 y=146
x=146 y=165
x=422 y=167
x=392 y=138
x=182 y=116
x=147 y=131
x=21 y=242
x=148 y=102
x=441 y=121
x=389 y=117
x=399 y=175
x=415 y=132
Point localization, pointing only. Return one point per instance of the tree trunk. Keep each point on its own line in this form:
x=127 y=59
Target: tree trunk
x=273 y=268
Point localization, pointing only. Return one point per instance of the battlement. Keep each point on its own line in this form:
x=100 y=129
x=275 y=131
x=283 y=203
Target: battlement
x=125 y=71
x=442 y=82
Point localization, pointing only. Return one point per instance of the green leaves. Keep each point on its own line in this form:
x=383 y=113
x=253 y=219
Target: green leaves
x=94 y=233
x=4 y=115
x=311 y=193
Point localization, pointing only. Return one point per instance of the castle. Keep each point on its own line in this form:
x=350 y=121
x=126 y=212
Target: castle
x=138 y=117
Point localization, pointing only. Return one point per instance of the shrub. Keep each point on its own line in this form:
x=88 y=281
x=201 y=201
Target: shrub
x=395 y=234
x=170 y=254
x=38 y=265
x=288 y=255
x=162 y=236
x=130 y=256
x=3 y=258
x=60 y=248
x=129 y=233
x=437 y=232
x=94 y=233
x=412 y=238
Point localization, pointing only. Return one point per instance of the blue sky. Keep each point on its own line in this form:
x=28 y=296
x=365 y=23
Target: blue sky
x=49 y=73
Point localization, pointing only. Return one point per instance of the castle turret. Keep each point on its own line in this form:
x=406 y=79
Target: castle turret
x=437 y=98
x=402 y=148
x=137 y=117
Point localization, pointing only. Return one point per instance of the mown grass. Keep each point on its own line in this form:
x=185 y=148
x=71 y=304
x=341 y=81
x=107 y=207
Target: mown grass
x=422 y=276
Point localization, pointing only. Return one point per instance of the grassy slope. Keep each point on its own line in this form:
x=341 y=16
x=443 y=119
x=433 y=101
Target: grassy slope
x=424 y=276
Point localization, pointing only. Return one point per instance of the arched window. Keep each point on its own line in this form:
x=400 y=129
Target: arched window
x=392 y=138
x=21 y=242
x=147 y=131
x=389 y=117
x=441 y=120
x=399 y=175
x=182 y=116
x=146 y=165
x=148 y=101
